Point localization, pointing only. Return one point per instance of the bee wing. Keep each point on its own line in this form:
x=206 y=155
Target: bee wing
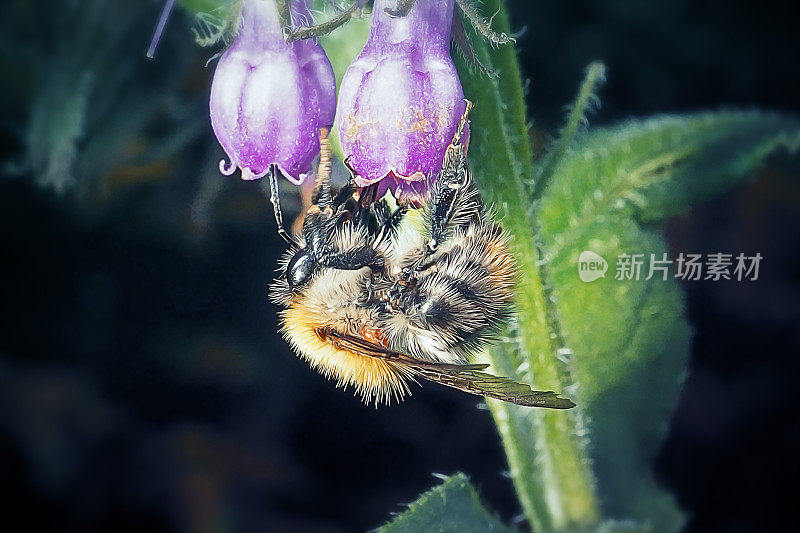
x=498 y=387
x=466 y=378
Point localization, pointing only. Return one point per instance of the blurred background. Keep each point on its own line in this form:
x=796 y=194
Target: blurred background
x=142 y=382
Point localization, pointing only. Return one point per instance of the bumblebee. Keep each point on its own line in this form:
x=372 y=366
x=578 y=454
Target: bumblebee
x=375 y=303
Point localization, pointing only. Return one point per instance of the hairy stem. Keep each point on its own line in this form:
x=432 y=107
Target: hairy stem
x=547 y=457
x=459 y=37
x=324 y=28
x=482 y=25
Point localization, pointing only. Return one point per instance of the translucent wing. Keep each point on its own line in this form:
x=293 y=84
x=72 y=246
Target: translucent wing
x=501 y=388
x=467 y=378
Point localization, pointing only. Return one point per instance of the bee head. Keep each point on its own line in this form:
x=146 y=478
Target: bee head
x=299 y=269
x=335 y=236
x=318 y=227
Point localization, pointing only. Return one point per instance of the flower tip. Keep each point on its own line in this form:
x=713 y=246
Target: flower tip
x=227 y=170
x=296 y=180
x=249 y=175
x=391 y=173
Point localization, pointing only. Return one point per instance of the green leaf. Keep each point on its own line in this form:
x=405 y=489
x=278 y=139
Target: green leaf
x=658 y=167
x=206 y=6
x=89 y=96
x=576 y=123
x=631 y=339
x=453 y=506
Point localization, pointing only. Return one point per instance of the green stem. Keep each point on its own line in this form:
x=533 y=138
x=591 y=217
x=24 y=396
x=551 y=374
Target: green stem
x=548 y=460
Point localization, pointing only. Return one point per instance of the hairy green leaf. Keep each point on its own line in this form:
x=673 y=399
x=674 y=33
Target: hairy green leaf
x=576 y=123
x=630 y=338
x=453 y=506
x=657 y=167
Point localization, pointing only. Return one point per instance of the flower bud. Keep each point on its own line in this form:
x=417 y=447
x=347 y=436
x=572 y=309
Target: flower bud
x=400 y=101
x=269 y=98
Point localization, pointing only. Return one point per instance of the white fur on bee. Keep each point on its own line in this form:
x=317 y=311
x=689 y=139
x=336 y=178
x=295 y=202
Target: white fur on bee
x=348 y=236
x=407 y=241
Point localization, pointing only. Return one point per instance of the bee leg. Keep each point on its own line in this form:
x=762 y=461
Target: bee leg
x=449 y=199
x=355 y=259
x=344 y=195
x=444 y=204
x=388 y=222
x=322 y=188
x=349 y=166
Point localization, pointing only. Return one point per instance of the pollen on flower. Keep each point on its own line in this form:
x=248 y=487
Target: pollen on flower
x=421 y=123
x=415 y=120
x=355 y=125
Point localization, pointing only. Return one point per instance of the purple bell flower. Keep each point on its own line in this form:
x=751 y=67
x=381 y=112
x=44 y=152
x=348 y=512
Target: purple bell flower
x=269 y=98
x=400 y=101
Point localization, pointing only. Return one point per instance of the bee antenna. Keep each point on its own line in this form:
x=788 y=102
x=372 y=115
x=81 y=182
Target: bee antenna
x=322 y=189
x=275 y=198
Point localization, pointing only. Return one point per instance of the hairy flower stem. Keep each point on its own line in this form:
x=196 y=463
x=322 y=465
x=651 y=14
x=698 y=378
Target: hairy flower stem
x=547 y=458
x=482 y=25
x=324 y=28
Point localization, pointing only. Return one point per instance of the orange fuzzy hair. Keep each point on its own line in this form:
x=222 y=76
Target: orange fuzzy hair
x=374 y=379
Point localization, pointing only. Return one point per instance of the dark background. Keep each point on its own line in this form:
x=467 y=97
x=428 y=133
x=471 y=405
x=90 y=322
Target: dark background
x=142 y=383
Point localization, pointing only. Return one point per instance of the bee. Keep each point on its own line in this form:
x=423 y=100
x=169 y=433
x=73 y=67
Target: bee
x=375 y=304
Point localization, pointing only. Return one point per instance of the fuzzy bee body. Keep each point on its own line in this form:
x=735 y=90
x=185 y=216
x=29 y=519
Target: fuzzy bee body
x=438 y=313
x=457 y=300
x=374 y=303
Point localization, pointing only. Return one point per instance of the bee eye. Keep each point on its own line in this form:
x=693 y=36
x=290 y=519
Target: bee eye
x=299 y=270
